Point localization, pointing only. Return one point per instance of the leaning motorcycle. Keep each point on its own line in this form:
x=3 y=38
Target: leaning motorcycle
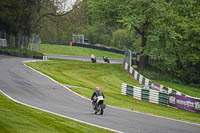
x=99 y=105
x=106 y=59
x=93 y=60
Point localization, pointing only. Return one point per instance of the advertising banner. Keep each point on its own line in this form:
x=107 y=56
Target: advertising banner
x=156 y=86
x=183 y=102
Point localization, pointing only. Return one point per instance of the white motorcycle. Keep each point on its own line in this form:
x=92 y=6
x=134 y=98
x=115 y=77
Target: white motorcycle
x=99 y=105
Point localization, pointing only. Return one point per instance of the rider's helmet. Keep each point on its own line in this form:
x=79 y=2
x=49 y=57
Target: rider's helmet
x=97 y=88
x=92 y=56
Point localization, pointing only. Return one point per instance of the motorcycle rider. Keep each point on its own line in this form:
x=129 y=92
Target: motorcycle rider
x=106 y=59
x=96 y=93
x=93 y=57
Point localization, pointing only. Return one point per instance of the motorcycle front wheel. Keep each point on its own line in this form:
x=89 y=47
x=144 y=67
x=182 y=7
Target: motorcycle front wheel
x=101 y=109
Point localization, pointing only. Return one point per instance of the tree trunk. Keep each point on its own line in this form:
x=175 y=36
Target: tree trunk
x=142 y=64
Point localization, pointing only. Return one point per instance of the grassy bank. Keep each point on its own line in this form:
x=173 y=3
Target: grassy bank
x=109 y=78
x=76 y=51
x=17 y=118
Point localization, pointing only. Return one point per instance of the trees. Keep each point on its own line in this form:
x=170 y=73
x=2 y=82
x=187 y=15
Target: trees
x=103 y=11
x=187 y=24
x=16 y=16
x=168 y=29
x=26 y=17
x=141 y=16
x=61 y=26
x=121 y=38
x=147 y=18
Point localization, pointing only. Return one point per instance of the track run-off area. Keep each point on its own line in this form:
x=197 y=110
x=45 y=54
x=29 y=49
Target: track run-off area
x=30 y=87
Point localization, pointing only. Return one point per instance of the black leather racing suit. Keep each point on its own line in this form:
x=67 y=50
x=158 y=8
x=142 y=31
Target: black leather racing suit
x=97 y=93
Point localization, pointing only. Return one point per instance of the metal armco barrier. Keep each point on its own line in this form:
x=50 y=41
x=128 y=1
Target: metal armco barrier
x=148 y=95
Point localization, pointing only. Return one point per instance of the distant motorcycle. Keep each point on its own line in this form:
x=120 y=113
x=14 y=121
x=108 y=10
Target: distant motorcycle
x=99 y=105
x=106 y=59
x=93 y=60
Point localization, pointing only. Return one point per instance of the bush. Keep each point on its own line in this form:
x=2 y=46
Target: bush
x=97 y=34
x=91 y=35
x=121 y=38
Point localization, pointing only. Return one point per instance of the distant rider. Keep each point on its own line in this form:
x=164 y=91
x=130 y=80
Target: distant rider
x=93 y=58
x=106 y=59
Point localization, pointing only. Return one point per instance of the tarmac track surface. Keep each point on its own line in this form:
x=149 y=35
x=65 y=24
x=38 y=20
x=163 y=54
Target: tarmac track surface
x=32 y=88
x=99 y=60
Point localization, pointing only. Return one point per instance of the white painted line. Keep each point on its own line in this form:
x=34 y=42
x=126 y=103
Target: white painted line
x=70 y=91
x=57 y=113
x=55 y=81
x=110 y=105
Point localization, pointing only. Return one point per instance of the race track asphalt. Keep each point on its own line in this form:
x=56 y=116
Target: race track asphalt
x=99 y=60
x=32 y=88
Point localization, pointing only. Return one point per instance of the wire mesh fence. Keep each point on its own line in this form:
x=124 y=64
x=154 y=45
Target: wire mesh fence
x=133 y=58
x=128 y=56
x=3 y=43
x=20 y=41
x=77 y=38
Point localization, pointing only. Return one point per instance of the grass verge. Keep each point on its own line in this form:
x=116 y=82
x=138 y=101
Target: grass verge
x=23 y=51
x=109 y=78
x=17 y=118
x=76 y=51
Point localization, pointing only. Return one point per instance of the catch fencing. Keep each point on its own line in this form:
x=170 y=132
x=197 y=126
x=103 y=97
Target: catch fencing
x=20 y=41
x=3 y=43
x=133 y=58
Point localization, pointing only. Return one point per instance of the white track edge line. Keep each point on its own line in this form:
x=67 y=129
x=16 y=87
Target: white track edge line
x=72 y=92
x=58 y=114
x=110 y=105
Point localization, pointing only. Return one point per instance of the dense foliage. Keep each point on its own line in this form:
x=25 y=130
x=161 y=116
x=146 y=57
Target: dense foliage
x=23 y=18
x=167 y=29
x=16 y=15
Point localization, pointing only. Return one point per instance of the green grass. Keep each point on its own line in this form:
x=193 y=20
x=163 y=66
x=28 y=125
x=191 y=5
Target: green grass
x=109 y=78
x=76 y=51
x=22 y=51
x=17 y=118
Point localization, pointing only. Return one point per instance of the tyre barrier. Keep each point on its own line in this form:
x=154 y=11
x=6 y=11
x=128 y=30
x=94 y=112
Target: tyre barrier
x=159 y=94
x=148 y=83
x=143 y=94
